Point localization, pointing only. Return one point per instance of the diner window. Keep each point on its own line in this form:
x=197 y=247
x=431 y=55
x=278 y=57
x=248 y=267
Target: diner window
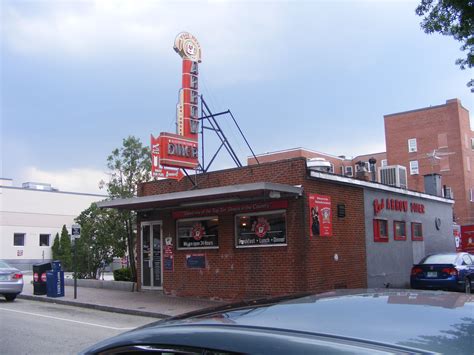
x=416 y=231
x=412 y=145
x=414 y=167
x=198 y=233
x=19 y=239
x=399 y=230
x=380 y=230
x=44 y=240
x=264 y=229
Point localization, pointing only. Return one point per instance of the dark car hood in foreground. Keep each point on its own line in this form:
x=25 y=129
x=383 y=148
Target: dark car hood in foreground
x=429 y=320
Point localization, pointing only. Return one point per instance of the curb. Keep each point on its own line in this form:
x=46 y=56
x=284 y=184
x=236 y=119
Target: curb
x=96 y=306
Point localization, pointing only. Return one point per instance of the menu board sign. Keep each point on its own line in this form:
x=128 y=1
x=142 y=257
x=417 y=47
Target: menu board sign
x=198 y=233
x=260 y=229
x=320 y=215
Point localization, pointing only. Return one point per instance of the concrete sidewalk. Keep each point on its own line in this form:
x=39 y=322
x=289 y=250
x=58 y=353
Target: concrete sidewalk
x=146 y=303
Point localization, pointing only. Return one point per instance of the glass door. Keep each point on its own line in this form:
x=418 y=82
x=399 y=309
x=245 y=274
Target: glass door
x=151 y=255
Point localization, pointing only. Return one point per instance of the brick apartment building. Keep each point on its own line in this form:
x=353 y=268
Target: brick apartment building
x=280 y=228
x=413 y=137
x=338 y=164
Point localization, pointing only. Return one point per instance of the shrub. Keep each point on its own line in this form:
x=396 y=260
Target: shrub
x=124 y=274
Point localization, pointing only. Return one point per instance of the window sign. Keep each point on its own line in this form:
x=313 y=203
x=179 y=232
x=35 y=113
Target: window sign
x=198 y=233
x=260 y=229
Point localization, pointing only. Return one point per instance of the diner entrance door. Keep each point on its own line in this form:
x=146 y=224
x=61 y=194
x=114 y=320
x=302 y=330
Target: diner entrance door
x=152 y=270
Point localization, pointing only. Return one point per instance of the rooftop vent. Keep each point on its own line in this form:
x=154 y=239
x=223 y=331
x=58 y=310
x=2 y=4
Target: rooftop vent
x=319 y=164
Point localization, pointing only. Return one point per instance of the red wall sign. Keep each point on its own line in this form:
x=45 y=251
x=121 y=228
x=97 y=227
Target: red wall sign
x=177 y=151
x=467 y=239
x=249 y=207
x=397 y=205
x=320 y=215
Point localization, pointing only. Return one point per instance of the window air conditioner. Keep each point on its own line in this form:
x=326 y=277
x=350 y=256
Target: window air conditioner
x=394 y=175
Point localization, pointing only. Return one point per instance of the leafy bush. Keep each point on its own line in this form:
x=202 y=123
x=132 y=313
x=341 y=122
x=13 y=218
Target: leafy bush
x=124 y=274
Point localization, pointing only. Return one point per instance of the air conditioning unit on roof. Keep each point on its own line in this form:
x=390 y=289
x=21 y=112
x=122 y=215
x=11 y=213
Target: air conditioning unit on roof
x=394 y=175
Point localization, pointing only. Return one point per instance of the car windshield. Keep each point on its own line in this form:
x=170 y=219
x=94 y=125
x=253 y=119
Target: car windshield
x=440 y=259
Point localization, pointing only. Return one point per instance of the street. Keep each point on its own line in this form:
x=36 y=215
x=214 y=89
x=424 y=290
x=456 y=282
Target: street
x=31 y=327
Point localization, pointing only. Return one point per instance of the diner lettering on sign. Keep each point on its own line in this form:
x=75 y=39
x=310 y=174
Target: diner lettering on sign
x=397 y=205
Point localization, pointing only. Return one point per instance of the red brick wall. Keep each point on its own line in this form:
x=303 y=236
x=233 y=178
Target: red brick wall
x=302 y=265
x=426 y=125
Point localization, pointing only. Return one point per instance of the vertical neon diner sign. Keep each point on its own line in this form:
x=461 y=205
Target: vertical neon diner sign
x=180 y=150
x=187 y=46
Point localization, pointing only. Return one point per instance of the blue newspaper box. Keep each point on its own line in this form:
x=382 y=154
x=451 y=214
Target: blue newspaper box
x=55 y=283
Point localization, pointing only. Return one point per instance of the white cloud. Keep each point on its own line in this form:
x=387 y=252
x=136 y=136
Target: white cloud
x=83 y=180
x=230 y=32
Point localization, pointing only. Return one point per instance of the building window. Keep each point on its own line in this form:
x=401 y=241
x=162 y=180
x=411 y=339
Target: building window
x=399 y=230
x=416 y=231
x=412 y=145
x=414 y=167
x=331 y=169
x=383 y=163
x=444 y=164
x=468 y=163
x=262 y=229
x=19 y=239
x=471 y=192
x=380 y=230
x=442 y=140
x=198 y=233
x=349 y=171
x=44 y=240
x=472 y=143
x=448 y=192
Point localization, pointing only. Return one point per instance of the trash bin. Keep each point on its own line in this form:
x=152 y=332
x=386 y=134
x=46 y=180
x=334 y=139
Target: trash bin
x=39 y=278
x=55 y=283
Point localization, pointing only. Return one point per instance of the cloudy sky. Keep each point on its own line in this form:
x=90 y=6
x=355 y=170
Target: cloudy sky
x=79 y=76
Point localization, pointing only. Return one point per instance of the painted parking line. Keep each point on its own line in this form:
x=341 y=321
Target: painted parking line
x=64 y=319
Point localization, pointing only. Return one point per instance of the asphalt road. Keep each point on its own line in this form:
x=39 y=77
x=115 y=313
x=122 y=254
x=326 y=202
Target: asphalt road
x=32 y=327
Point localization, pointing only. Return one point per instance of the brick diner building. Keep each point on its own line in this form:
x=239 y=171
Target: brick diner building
x=278 y=228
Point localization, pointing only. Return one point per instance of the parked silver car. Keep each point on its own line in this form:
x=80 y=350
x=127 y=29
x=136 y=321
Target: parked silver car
x=337 y=322
x=11 y=281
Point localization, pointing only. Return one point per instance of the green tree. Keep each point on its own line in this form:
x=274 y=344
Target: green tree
x=56 y=248
x=129 y=165
x=103 y=237
x=451 y=18
x=65 y=249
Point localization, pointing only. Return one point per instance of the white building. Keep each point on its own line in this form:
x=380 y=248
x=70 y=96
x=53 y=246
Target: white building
x=30 y=217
